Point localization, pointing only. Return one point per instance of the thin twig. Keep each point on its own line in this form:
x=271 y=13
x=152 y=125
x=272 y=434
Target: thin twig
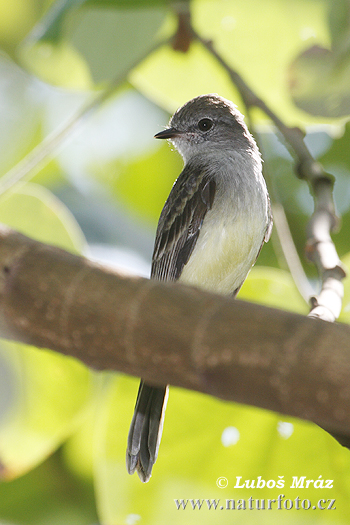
x=290 y=252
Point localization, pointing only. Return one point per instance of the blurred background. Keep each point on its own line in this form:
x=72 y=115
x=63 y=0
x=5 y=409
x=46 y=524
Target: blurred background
x=99 y=192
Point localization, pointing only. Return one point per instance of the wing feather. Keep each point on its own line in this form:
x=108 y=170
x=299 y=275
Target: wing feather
x=191 y=197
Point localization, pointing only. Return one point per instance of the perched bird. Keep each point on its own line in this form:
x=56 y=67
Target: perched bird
x=210 y=232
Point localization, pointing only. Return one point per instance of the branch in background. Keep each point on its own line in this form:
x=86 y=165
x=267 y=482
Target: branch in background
x=321 y=251
x=319 y=246
x=176 y=334
x=290 y=252
x=183 y=36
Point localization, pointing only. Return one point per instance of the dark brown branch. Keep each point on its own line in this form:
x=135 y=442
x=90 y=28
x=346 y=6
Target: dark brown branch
x=171 y=333
x=183 y=36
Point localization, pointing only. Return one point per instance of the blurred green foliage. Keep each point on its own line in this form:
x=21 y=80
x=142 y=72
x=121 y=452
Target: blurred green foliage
x=102 y=194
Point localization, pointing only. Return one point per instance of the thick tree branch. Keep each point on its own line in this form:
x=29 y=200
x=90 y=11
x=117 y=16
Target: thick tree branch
x=171 y=333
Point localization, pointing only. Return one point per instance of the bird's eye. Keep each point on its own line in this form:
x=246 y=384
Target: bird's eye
x=205 y=124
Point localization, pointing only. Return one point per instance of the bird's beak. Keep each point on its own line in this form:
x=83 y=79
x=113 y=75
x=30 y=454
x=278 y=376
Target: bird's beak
x=167 y=134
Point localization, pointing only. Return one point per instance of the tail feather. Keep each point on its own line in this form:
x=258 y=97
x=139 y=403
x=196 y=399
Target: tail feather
x=146 y=430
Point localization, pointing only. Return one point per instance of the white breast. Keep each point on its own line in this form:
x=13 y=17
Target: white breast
x=230 y=238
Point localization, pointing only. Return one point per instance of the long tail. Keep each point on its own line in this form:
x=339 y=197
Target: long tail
x=146 y=430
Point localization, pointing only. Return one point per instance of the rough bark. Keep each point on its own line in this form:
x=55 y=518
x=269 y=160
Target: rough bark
x=171 y=333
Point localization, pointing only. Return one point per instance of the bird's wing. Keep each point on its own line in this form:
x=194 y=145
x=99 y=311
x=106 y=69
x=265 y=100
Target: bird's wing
x=191 y=197
x=178 y=229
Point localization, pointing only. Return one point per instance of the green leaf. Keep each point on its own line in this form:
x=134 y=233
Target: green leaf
x=36 y=212
x=144 y=183
x=205 y=439
x=338 y=19
x=58 y=64
x=319 y=78
x=44 y=394
x=78 y=450
x=110 y=40
x=337 y=162
x=260 y=51
x=171 y=78
x=339 y=152
x=319 y=82
x=47 y=495
x=46 y=397
x=51 y=27
x=20 y=114
x=16 y=21
x=271 y=287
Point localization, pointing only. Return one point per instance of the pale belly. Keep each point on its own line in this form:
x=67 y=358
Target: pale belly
x=225 y=252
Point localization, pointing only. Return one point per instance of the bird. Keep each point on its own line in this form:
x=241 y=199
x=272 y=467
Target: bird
x=210 y=231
